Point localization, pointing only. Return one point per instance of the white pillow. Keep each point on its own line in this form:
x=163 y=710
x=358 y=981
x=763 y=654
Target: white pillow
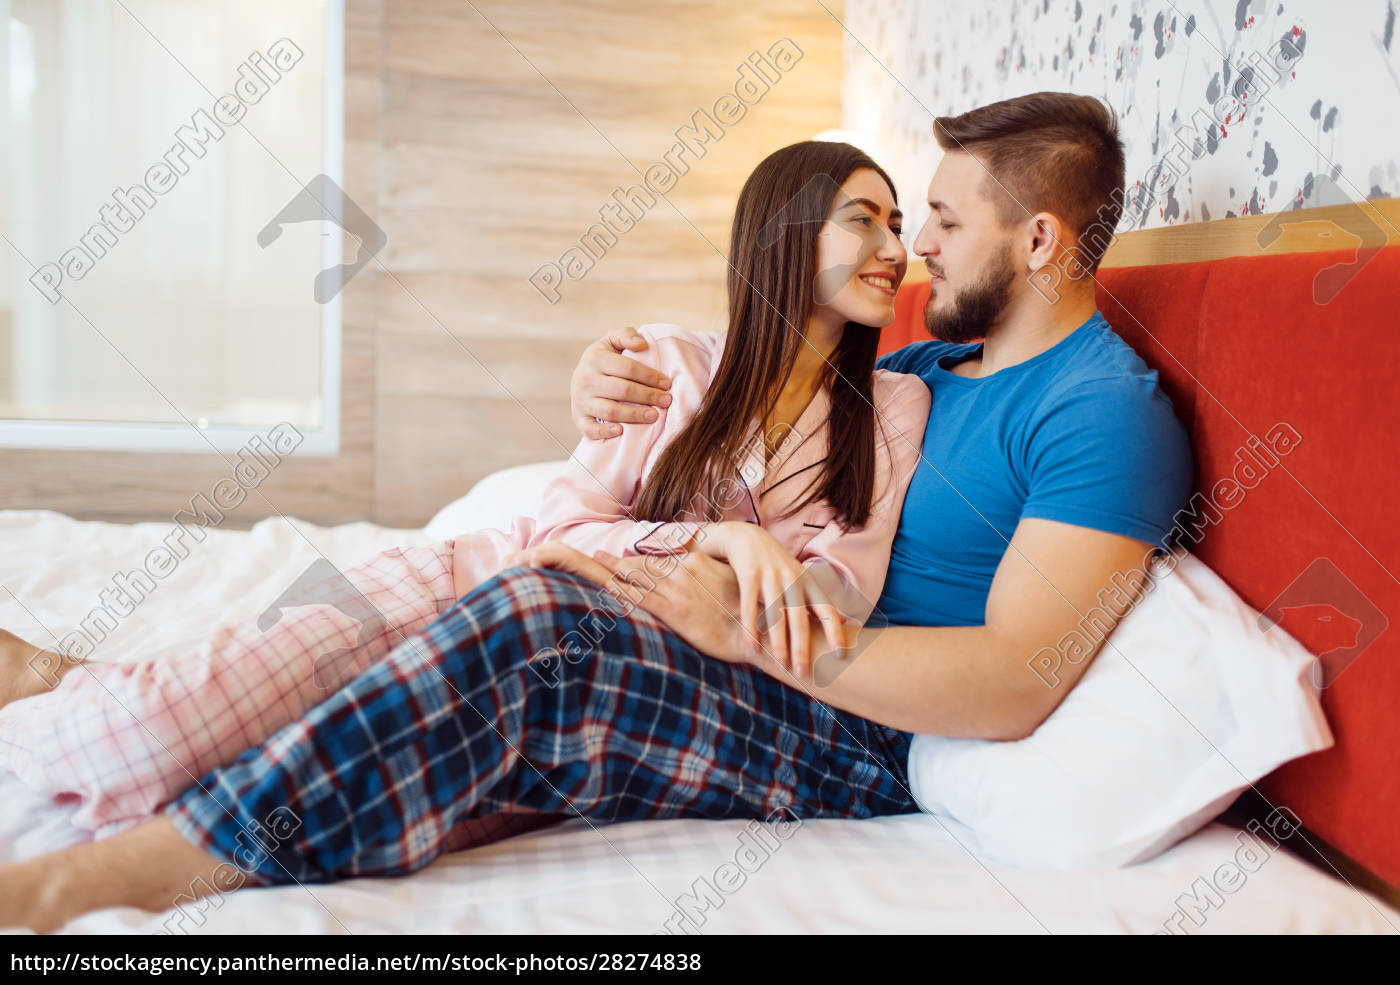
x=1185 y=705
x=496 y=500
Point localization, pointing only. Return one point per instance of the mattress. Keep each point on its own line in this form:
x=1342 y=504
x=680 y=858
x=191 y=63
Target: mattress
x=887 y=875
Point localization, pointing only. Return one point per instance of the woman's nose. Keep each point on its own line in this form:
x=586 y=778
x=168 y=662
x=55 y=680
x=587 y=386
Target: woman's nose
x=892 y=249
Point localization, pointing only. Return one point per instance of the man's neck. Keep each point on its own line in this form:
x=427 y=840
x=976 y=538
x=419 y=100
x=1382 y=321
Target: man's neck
x=1025 y=333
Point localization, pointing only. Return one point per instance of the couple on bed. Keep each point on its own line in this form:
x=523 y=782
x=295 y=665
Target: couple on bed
x=763 y=489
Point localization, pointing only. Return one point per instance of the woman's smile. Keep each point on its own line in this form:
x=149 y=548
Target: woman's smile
x=882 y=282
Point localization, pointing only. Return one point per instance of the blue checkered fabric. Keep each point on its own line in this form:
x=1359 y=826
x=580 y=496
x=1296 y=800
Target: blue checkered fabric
x=498 y=710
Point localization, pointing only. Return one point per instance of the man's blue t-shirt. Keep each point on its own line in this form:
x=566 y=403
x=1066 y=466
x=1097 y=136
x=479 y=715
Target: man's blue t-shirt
x=1081 y=433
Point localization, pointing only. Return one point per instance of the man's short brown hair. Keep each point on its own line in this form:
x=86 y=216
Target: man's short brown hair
x=1048 y=152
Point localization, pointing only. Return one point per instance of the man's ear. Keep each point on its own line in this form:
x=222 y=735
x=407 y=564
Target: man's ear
x=1048 y=238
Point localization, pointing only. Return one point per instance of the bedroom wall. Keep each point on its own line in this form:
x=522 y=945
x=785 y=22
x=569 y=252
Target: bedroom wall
x=494 y=147
x=1265 y=98
x=484 y=139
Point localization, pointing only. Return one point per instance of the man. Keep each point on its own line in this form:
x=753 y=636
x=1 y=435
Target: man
x=1052 y=463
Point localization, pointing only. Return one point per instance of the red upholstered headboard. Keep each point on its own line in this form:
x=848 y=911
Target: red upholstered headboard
x=1243 y=348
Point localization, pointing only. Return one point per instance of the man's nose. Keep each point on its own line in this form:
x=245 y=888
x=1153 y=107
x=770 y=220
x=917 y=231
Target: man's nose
x=926 y=243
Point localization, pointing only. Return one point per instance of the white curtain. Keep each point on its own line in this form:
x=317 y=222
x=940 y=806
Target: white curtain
x=186 y=308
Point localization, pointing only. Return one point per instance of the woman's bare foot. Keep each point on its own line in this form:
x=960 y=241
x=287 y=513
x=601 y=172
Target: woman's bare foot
x=27 y=670
x=150 y=867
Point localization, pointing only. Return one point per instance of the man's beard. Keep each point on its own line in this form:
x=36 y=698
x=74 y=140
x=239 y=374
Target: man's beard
x=974 y=309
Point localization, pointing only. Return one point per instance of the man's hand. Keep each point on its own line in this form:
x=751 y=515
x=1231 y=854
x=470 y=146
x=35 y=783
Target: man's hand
x=696 y=596
x=609 y=389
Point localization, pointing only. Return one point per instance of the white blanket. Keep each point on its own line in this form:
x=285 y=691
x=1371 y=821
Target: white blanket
x=887 y=875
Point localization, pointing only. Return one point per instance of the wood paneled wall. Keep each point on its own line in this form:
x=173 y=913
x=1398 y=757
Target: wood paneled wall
x=497 y=143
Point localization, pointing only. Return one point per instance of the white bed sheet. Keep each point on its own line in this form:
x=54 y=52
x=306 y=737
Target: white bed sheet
x=897 y=874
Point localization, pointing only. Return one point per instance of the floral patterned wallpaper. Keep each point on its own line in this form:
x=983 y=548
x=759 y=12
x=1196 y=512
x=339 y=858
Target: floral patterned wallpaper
x=1226 y=107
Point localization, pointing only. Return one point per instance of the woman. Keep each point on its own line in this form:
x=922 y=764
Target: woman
x=786 y=452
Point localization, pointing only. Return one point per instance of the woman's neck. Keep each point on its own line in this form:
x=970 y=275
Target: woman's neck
x=809 y=368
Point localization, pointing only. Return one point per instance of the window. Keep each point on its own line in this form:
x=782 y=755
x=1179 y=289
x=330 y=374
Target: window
x=148 y=299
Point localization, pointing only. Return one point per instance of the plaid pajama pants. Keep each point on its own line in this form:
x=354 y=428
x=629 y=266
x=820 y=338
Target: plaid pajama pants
x=496 y=710
x=121 y=740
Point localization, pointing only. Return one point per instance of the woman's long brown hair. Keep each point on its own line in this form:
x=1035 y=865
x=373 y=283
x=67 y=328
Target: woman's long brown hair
x=772 y=274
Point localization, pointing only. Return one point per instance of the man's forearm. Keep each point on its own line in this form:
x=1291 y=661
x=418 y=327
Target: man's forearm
x=964 y=681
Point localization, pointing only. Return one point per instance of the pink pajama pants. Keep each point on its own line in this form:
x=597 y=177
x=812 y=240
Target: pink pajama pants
x=122 y=739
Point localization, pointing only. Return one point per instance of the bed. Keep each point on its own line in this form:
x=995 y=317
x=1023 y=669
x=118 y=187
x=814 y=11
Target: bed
x=897 y=874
